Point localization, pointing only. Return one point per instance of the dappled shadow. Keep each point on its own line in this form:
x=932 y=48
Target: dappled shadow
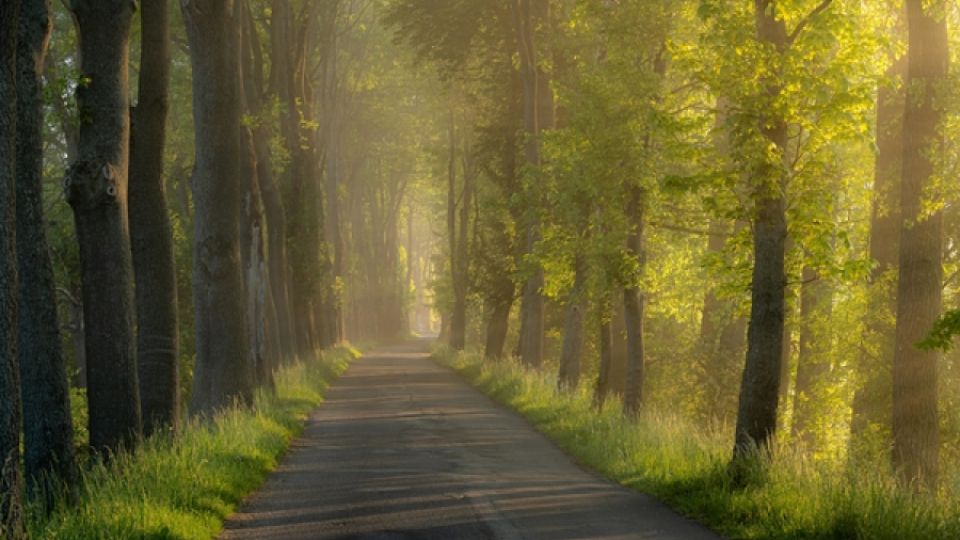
x=404 y=449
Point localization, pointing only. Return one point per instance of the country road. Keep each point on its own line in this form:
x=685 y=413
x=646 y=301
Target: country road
x=405 y=449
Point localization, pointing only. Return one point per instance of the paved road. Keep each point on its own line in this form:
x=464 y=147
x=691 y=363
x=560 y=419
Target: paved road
x=405 y=449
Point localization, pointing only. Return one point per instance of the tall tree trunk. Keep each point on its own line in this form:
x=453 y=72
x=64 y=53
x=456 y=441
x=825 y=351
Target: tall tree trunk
x=873 y=400
x=813 y=361
x=223 y=373
x=47 y=424
x=150 y=234
x=96 y=188
x=757 y=412
x=572 y=348
x=537 y=113
x=916 y=437
x=458 y=315
x=11 y=512
x=633 y=305
x=331 y=114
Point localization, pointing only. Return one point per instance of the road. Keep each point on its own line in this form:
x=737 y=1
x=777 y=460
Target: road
x=406 y=449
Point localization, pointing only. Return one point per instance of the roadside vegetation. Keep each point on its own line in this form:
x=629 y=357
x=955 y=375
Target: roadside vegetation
x=183 y=487
x=686 y=466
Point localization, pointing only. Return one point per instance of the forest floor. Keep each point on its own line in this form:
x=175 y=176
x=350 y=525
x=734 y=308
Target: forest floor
x=406 y=449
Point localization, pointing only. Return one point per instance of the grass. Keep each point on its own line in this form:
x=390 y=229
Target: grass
x=685 y=465
x=184 y=487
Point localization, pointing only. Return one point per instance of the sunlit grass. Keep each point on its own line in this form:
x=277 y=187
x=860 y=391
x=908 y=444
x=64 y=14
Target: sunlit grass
x=183 y=487
x=685 y=465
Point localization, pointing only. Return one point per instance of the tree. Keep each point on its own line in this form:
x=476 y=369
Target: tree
x=223 y=372
x=150 y=234
x=916 y=438
x=47 y=424
x=96 y=187
x=538 y=117
x=757 y=413
x=10 y=481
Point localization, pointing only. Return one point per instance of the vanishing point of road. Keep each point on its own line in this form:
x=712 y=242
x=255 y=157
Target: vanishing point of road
x=404 y=449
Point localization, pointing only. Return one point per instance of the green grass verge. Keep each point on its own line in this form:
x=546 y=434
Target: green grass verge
x=184 y=487
x=685 y=465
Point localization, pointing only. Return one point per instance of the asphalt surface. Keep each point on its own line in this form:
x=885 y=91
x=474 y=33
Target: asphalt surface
x=405 y=449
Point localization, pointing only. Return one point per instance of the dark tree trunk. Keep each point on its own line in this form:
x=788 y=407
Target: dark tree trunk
x=916 y=437
x=813 y=362
x=572 y=348
x=331 y=105
x=458 y=315
x=47 y=424
x=873 y=400
x=606 y=364
x=633 y=306
x=11 y=513
x=757 y=412
x=223 y=372
x=96 y=188
x=150 y=234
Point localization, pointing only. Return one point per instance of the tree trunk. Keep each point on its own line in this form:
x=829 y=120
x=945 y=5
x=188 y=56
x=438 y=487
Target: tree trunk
x=537 y=113
x=606 y=364
x=458 y=316
x=150 y=234
x=11 y=513
x=96 y=188
x=47 y=424
x=813 y=362
x=873 y=400
x=916 y=437
x=572 y=348
x=757 y=412
x=633 y=306
x=223 y=373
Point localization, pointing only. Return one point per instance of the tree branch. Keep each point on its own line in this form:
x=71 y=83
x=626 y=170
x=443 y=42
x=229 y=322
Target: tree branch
x=806 y=20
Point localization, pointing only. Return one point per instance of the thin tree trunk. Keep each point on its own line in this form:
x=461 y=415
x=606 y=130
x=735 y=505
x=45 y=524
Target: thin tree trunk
x=633 y=306
x=572 y=348
x=96 y=187
x=757 y=412
x=223 y=373
x=11 y=512
x=813 y=362
x=47 y=424
x=150 y=234
x=916 y=436
x=606 y=364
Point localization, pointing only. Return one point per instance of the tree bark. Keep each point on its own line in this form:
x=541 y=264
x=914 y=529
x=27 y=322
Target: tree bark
x=537 y=113
x=813 y=361
x=572 y=348
x=11 y=512
x=757 y=412
x=150 y=234
x=96 y=187
x=633 y=305
x=47 y=424
x=873 y=400
x=606 y=364
x=916 y=437
x=223 y=373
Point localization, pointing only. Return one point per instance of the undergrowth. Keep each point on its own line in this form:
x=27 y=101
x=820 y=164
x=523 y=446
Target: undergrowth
x=686 y=466
x=184 y=487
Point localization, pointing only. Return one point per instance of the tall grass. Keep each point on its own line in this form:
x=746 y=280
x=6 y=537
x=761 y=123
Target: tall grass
x=184 y=487
x=686 y=466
